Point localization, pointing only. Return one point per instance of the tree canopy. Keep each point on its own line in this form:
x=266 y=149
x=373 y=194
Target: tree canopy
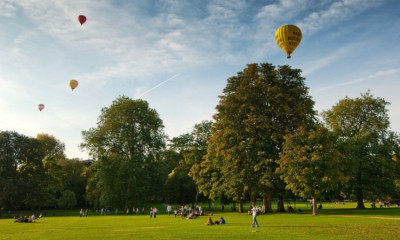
x=126 y=143
x=259 y=107
x=367 y=145
x=310 y=163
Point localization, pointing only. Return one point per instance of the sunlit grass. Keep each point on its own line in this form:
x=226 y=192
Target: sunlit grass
x=332 y=222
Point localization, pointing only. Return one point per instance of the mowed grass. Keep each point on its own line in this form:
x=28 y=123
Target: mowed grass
x=333 y=222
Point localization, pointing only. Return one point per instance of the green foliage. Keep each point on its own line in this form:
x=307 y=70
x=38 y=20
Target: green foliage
x=259 y=107
x=310 y=164
x=74 y=178
x=51 y=146
x=11 y=155
x=127 y=144
x=191 y=148
x=67 y=200
x=367 y=144
x=29 y=176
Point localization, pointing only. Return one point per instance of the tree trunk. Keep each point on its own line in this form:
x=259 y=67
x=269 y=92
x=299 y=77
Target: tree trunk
x=197 y=196
x=280 y=207
x=267 y=202
x=314 y=206
x=209 y=205
x=241 y=206
x=234 y=206
x=252 y=198
x=359 y=191
x=360 y=199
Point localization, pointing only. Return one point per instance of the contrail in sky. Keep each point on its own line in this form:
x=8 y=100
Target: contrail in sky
x=156 y=86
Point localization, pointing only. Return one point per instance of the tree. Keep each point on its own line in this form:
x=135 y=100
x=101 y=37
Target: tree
x=29 y=176
x=126 y=143
x=67 y=200
x=367 y=145
x=51 y=178
x=92 y=193
x=396 y=171
x=259 y=107
x=51 y=146
x=191 y=147
x=310 y=164
x=11 y=155
x=74 y=178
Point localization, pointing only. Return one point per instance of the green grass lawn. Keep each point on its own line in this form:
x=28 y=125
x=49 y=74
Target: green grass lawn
x=332 y=222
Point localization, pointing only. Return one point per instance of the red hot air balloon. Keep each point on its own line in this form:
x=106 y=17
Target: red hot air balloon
x=82 y=19
x=41 y=107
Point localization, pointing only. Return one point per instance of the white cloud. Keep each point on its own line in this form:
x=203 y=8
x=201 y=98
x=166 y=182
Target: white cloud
x=374 y=76
x=318 y=63
x=338 y=11
x=281 y=11
x=8 y=8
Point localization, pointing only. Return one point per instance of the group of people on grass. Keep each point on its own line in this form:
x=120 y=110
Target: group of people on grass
x=191 y=213
x=220 y=221
x=135 y=210
x=25 y=219
x=84 y=213
x=107 y=211
x=153 y=212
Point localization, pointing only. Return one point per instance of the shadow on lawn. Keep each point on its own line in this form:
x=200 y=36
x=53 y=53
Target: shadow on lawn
x=392 y=212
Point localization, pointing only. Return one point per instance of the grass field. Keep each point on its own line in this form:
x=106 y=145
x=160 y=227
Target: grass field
x=332 y=222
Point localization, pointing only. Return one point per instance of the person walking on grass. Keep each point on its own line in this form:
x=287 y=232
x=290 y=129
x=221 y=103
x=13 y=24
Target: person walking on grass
x=255 y=211
x=169 y=210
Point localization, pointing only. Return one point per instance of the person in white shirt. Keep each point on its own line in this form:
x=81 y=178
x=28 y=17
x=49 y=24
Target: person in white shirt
x=255 y=211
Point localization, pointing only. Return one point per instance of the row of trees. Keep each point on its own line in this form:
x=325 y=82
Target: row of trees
x=266 y=141
x=34 y=172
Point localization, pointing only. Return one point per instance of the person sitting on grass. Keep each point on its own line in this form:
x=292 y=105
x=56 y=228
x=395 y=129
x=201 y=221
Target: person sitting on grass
x=210 y=222
x=191 y=216
x=290 y=208
x=222 y=221
x=18 y=219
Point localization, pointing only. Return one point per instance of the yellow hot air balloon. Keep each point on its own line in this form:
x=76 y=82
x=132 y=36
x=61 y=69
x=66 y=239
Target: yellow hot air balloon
x=288 y=37
x=73 y=84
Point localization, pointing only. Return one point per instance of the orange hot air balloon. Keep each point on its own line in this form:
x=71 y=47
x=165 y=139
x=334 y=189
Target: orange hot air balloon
x=41 y=107
x=73 y=84
x=82 y=19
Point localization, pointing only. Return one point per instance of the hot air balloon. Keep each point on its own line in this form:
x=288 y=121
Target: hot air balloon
x=288 y=37
x=73 y=84
x=82 y=19
x=41 y=107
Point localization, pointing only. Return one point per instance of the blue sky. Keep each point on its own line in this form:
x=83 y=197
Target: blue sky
x=177 y=55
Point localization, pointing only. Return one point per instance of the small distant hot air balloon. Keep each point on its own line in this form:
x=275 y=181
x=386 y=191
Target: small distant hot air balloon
x=41 y=107
x=82 y=19
x=288 y=37
x=73 y=84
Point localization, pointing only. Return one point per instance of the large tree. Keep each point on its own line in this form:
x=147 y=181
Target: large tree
x=11 y=155
x=310 y=163
x=126 y=143
x=258 y=108
x=51 y=182
x=191 y=147
x=367 y=145
x=29 y=175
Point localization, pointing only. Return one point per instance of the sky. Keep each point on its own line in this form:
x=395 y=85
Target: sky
x=177 y=55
